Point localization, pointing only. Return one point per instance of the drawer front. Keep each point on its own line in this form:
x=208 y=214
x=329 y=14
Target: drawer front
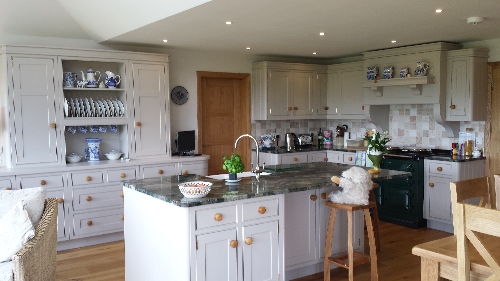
x=62 y=205
x=317 y=157
x=97 y=197
x=349 y=158
x=194 y=168
x=94 y=223
x=440 y=168
x=261 y=209
x=207 y=218
x=5 y=184
x=87 y=177
x=159 y=170
x=47 y=181
x=294 y=158
x=121 y=174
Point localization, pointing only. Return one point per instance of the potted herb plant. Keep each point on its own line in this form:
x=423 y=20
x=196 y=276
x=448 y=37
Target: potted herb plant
x=233 y=165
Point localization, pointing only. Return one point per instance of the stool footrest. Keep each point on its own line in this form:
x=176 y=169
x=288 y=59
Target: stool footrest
x=343 y=261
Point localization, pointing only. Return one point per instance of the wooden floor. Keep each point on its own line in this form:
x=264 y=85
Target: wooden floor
x=395 y=261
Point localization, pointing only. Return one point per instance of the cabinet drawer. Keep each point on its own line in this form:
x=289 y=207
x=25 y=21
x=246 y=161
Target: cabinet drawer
x=208 y=217
x=440 y=168
x=97 y=197
x=102 y=222
x=349 y=158
x=261 y=209
x=121 y=174
x=62 y=206
x=5 y=184
x=47 y=181
x=294 y=158
x=87 y=177
x=193 y=168
x=159 y=170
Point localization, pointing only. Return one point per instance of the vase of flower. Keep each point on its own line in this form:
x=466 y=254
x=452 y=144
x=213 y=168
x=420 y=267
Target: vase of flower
x=376 y=148
x=376 y=157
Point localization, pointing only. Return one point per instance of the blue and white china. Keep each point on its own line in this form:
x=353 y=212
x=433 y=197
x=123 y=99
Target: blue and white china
x=69 y=79
x=92 y=82
x=113 y=128
x=403 y=73
x=87 y=154
x=71 y=130
x=421 y=69
x=372 y=72
x=82 y=129
x=94 y=129
x=112 y=80
x=102 y=129
x=388 y=72
x=93 y=150
x=81 y=83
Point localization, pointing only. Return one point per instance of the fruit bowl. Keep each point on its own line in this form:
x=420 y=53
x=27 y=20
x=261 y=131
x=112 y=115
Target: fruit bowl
x=73 y=158
x=113 y=155
x=195 y=189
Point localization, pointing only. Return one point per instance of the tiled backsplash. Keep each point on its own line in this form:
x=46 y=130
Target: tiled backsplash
x=409 y=125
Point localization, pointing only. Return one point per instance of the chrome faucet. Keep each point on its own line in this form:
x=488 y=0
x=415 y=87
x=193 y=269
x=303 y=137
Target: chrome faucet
x=257 y=169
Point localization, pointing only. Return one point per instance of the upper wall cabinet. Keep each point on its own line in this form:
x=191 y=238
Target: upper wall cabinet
x=285 y=91
x=466 y=92
x=345 y=94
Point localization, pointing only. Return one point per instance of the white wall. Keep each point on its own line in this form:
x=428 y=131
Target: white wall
x=492 y=45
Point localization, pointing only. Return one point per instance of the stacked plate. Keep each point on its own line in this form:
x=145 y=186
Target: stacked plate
x=88 y=107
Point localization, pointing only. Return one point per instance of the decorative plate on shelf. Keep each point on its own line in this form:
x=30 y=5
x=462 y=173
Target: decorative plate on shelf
x=179 y=95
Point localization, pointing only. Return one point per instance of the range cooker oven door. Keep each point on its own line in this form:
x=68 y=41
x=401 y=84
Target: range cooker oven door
x=400 y=200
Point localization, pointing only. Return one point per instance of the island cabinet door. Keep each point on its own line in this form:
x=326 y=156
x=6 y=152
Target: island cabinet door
x=217 y=256
x=300 y=228
x=260 y=252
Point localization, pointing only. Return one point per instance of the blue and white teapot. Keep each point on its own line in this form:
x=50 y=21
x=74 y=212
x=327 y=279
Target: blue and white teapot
x=112 y=80
x=91 y=81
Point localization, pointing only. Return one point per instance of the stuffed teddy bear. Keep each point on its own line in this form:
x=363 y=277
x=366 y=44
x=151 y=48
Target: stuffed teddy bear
x=356 y=184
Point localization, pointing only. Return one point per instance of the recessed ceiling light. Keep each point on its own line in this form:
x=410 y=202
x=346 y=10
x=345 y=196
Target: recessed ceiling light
x=228 y=22
x=165 y=40
x=321 y=33
x=393 y=41
x=248 y=48
x=439 y=10
x=314 y=53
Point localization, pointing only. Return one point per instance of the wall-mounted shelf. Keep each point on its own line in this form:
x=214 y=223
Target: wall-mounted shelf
x=95 y=89
x=415 y=83
x=83 y=121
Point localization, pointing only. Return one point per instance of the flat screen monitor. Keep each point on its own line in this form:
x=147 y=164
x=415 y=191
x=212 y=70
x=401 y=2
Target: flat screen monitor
x=185 y=142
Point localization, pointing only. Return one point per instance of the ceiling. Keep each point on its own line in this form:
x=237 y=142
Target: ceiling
x=278 y=27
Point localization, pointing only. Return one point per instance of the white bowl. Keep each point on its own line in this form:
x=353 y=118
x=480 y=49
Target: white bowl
x=113 y=155
x=73 y=158
x=195 y=189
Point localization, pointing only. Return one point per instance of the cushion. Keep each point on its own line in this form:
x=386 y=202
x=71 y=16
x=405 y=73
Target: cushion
x=6 y=271
x=15 y=230
x=33 y=198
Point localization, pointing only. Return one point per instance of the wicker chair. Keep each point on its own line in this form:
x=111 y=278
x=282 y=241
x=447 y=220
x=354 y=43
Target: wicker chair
x=36 y=260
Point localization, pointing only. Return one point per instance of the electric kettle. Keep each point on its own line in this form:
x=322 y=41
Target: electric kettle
x=290 y=142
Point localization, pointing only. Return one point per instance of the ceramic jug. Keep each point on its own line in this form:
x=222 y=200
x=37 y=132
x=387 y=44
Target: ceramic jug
x=372 y=72
x=112 y=80
x=69 y=79
x=92 y=82
x=404 y=72
x=421 y=69
x=388 y=72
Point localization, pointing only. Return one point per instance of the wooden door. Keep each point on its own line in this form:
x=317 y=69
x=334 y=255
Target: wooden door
x=223 y=115
x=260 y=254
x=492 y=136
x=216 y=260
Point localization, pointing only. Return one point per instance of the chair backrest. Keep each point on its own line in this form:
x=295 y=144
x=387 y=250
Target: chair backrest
x=467 y=189
x=496 y=190
x=472 y=223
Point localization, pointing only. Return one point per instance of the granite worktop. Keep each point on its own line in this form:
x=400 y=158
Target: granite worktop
x=297 y=177
x=276 y=150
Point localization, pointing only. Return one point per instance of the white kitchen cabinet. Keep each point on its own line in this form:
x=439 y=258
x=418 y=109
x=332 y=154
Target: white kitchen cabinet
x=466 y=85
x=320 y=95
x=302 y=98
x=319 y=156
x=342 y=157
x=8 y=183
x=280 y=88
x=293 y=158
x=158 y=170
x=437 y=195
x=197 y=167
x=345 y=96
x=32 y=111
x=216 y=259
x=260 y=251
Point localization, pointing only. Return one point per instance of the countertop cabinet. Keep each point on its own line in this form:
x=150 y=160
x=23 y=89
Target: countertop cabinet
x=216 y=258
x=342 y=157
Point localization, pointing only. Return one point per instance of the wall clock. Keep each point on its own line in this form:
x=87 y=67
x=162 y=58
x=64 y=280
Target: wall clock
x=179 y=95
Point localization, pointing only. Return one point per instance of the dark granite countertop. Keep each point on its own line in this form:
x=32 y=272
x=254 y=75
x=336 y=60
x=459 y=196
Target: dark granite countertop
x=455 y=158
x=307 y=176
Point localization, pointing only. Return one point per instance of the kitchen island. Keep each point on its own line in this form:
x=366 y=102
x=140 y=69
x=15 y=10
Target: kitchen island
x=252 y=230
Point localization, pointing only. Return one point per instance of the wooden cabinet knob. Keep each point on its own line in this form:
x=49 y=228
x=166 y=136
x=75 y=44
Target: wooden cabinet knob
x=262 y=210
x=60 y=200
x=122 y=175
x=138 y=124
x=88 y=198
x=8 y=188
x=233 y=243
x=185 y=172
x=362 y=107
x=88 y=178
x=52 y=125
x=295 y=159
x=313 y=197
x=43 y=182
x=289 y=108
x=325 y=159
x=439 y=169
x=452 y=106
x=323 y=195
x=121 y=194
x=326 y=107
x=248 y=240
x=123 y=218
x=349 y=159
x=160 y=172
x=218 y=217
x=431 y=184
x=295 y=108
x=89 y=223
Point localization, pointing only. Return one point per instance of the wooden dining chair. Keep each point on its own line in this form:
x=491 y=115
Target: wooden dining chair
x=468 y=189
x=473 y=223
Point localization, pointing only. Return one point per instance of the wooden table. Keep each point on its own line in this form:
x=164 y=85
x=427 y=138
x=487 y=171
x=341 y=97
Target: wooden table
x=439 y=259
